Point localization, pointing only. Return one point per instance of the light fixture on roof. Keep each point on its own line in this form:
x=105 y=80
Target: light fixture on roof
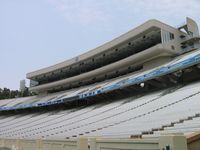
x=142 y=85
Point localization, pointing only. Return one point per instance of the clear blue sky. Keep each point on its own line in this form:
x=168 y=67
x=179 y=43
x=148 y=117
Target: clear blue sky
x=38 y=33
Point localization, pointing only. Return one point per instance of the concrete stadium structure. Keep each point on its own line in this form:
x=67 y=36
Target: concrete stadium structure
x=143 y=84
x=144 y=47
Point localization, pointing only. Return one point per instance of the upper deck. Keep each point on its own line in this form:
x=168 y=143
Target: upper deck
x=149 y=41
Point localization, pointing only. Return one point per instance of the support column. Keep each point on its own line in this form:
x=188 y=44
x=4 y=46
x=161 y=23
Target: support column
x=93 y=144
x=18 y=146
x=2 y=143
x=39 y=145
x=82 y=143
x=172 y=142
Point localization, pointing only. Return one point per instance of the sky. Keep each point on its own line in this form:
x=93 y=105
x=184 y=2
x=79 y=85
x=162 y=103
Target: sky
x=38 y=33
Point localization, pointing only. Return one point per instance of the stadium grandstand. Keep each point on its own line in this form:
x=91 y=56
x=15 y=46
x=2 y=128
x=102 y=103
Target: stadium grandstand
x=139 y=91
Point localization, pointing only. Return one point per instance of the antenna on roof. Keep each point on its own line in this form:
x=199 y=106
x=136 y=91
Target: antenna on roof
x=190 y=27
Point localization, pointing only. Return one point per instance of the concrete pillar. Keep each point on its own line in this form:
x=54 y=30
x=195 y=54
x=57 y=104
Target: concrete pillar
x=172 y=142
x=2 y=143
x=39 y=144
x=82 y=143
x=92 y=144
x=18 y=144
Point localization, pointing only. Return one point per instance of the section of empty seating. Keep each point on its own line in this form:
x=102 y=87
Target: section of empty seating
x=18 y=101
x=187 y=126
x=123 y=118
x=158 y=113
x=14 y=101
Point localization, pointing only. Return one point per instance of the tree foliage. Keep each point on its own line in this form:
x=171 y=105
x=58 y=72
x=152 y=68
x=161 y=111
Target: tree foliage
x=6 y=93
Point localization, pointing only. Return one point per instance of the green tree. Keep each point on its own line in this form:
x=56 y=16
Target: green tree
x=6 y=93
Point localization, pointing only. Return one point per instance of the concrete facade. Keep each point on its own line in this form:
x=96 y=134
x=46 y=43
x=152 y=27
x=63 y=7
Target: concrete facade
x=169 y=42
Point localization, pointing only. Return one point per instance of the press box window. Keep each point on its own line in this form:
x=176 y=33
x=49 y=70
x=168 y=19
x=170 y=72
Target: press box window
x=171 y=35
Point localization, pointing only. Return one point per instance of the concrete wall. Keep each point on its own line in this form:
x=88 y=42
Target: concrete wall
x=193 y=141
x=166 y=142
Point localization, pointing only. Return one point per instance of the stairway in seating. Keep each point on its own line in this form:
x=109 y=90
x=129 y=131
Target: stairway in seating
x=157 y=131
